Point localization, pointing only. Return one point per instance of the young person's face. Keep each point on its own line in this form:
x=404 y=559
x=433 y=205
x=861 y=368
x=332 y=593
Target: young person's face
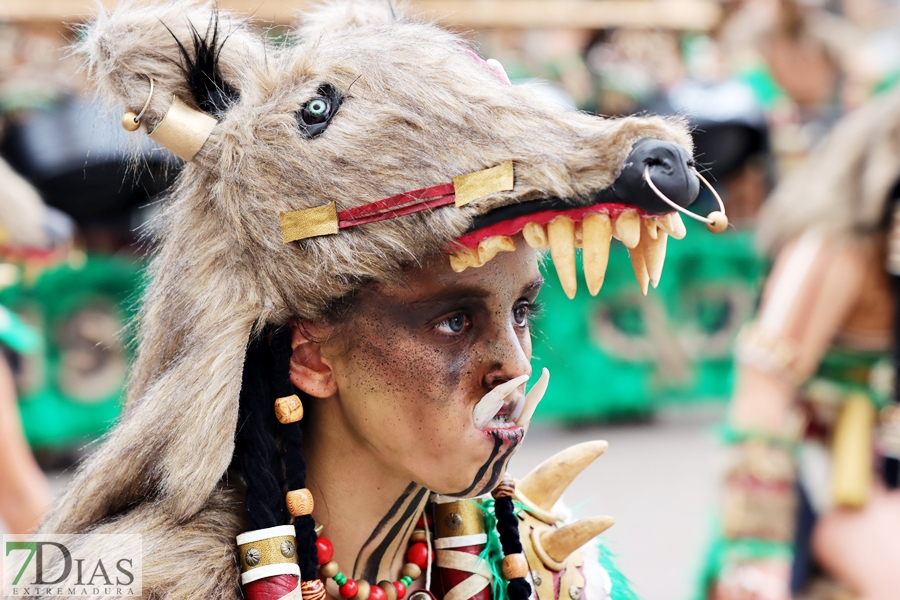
x=413 y=359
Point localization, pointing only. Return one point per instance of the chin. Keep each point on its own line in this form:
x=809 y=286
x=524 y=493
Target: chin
x=483 y=472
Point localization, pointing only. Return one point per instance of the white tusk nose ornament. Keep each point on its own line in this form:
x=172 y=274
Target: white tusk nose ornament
x=533 y=398
x=494 y=400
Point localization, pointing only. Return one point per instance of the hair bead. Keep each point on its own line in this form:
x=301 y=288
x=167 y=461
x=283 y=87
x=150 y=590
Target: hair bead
x=300 y=502
x=289 y=409
x=506 y=488
x=515 y=565
x=312 y=589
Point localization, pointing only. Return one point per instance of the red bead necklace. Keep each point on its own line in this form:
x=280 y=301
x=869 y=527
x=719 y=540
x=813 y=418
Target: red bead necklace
x=417 y=561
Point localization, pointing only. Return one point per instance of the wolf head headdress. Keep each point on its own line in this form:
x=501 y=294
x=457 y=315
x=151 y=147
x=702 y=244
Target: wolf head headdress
x=366 y=144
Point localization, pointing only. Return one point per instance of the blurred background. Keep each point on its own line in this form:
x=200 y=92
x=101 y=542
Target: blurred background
x=761 y=82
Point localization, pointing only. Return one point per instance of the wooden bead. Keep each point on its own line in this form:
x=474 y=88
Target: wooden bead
x=506 y=488
x=515 y=566
x=411 y=570
x=349 y=589
x=329 y=569
x=300 y=502
x=418 y=535
x=324 y=550
x=313 y=589
x=389 y=590
x=362 y=592
x=719 y=221
x=130 y=122
x=418 y=555
x=289 y=409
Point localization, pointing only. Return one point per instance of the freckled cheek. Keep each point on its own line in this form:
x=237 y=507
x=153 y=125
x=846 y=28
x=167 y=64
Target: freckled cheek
x=417 y=382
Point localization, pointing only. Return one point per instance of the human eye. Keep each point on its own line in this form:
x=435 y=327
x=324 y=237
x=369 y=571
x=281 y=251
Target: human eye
x=524 y=311
x=454 y=324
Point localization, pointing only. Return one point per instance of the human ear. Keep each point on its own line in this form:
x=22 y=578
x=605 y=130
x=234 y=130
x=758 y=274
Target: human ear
x=310 y=371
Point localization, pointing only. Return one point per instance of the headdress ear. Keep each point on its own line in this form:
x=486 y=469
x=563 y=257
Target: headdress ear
x=340 y=17
x=187 y=60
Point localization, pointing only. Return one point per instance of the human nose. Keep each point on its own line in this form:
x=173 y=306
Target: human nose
x=509 y=356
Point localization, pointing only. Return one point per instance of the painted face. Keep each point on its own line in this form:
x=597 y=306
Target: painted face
x=415 y=357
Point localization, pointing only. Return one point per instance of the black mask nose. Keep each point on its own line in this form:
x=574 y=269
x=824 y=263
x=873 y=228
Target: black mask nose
x=671 y=170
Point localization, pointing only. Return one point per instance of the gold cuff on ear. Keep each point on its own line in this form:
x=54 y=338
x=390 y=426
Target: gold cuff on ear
x=183 y=130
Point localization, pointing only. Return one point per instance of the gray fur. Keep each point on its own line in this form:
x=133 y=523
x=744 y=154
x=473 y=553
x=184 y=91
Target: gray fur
x=842 y=188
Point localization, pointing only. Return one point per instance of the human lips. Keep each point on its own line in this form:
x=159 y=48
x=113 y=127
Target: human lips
x=505 y=407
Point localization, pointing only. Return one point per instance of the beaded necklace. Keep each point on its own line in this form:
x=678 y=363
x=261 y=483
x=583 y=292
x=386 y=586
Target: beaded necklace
x=418 y=560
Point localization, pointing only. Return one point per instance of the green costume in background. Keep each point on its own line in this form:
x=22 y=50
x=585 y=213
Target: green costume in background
x=620 y=355
x=73 y=368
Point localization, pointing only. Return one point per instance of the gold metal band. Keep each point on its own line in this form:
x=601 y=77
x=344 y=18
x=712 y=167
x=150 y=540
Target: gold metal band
x=268 y=551
x=461 y=517
x=183 y=130
x=472 y=186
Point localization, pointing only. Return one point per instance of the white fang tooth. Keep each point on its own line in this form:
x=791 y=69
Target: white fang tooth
x=561 y=232
x=655 y=256
x=534 y=397
x=535 y=236
x=640 y=268
x=490 y=247
x=665 y=223
x=493 y=401
x=597 y=233
x=517 y=410
x=464 y=258
x=676 y=226
x=628 y=228
x=673 y=225
x=651 y=226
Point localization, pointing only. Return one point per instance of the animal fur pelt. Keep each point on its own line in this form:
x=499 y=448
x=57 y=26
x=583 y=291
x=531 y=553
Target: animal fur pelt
x=842 y=188
x=417 y=110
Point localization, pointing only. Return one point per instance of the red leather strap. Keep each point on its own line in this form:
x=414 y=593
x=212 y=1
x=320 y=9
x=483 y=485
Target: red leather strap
x=397 y=206
x=271 y=588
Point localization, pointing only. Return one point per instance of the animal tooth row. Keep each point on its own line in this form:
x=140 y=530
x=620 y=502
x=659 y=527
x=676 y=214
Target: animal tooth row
x=645 y=239
x=487 y=249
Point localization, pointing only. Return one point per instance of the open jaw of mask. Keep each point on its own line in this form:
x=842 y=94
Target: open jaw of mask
x=591 y=229
x=506 y=407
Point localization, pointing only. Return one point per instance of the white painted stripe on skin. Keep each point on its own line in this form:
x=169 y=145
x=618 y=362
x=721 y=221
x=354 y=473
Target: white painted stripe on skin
x=778 y=307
